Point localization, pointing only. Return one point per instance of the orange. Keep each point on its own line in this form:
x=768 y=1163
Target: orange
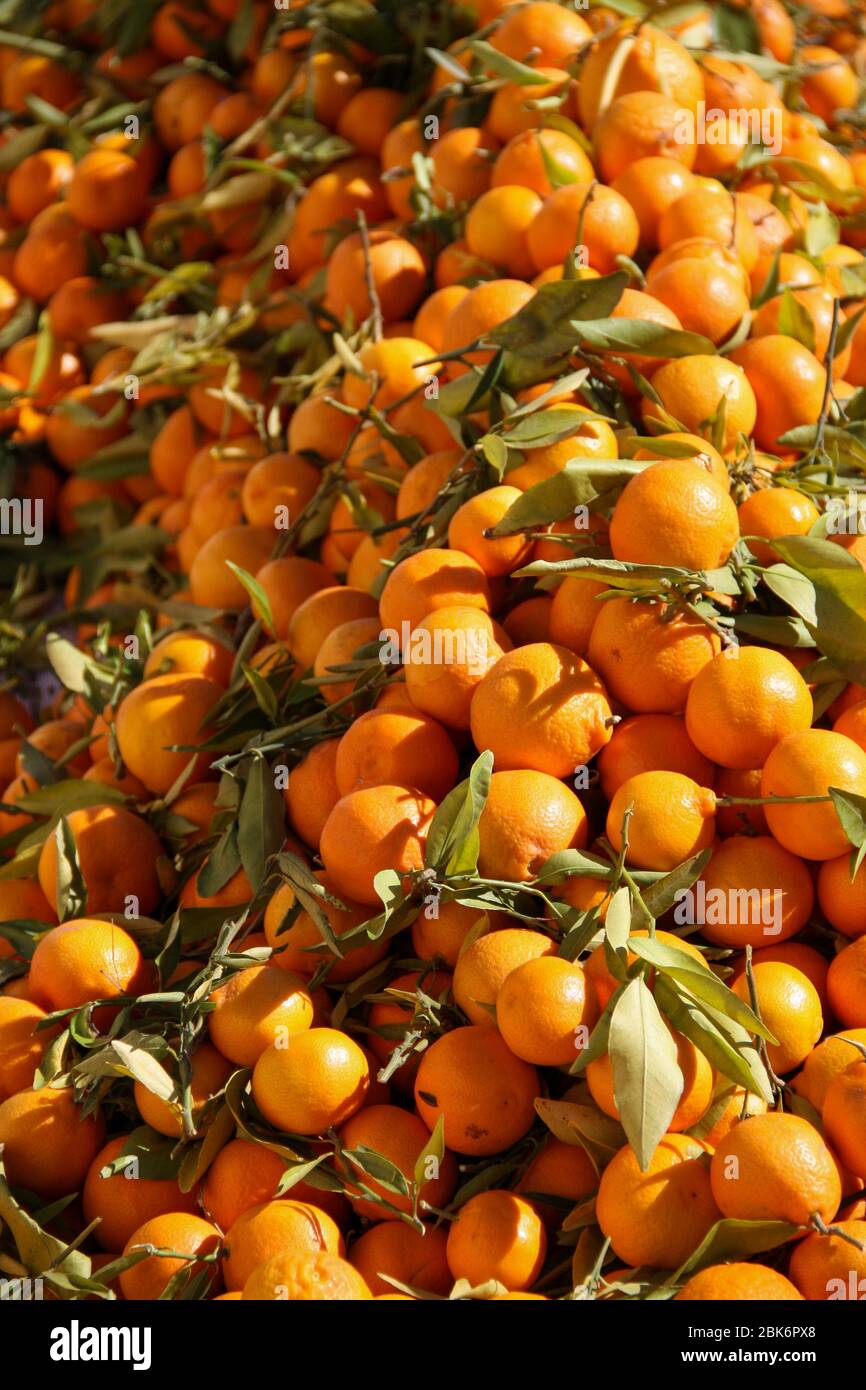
x=461 y=166
x=278 y=481
x=312 y=792
x=439 y=931
x=697 y=1092
x=293 y=947
x=212 y=584
x=649 y=743
x=316 y=617
x=707 y=298
x=245 y=1175
x=317 y=427
x=852 y=723
x=317 y=1079
x=673 y=514
x=468 y=527
x=590 y=439
x=647 y=664
x=395 y=1250
x=38 y=181
x=692 y=389
x=529 y=621
x=706 y=212
x=528 y=816
x=775 y=1167
x=558 y=1170
x=671 y=819
x=399 y=365
x=55 y=739
x=833 y=1056
x=741 y=1283
x=541 y=707
x=788 y=384
x=208 y=1073
x=498 y=224
x=308 y=1278
x=288 y=583
x=31 y=74
x=771 y=512
x=829 y=83
x=743 y=702
x=842 y=898
x=195 y=806
x=173 y=449
x=607 y=225
x=383 y=745
x=107 y=191
x=22 y=897
x=757 y=893
x=658 y=1217
x=71 y=440
x=516 y=107
x=21 y=1045
x=638 y=125
x=436 y=309
x=831 y=1266
x=545 y=1010
x=484 y=1093
x=843 y=1116
x=484 y=966
x=47 y=1145
x=256 y=1008
x=653 y=61
x=480 y=311
x=190 y=653
x=649 y=185
x=391 y=1017
x=395 y=267
x=789 y=1005
x=730 y=1105
x=737 y=820
x=81 y=305
x=452 y=650
x=818 y=305
x=497 y=1235
x=86 y=959
x=123 y=1200
x=545 y=30
x=846 y=984
x=807 y=763
x=375 y=828
x=188 y=1237
x=159 y=713
x=400 y=1138
x=367 y=117
x=526 y=158
x=429 y=580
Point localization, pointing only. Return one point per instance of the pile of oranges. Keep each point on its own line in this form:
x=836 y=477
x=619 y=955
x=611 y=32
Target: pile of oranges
x=433 y=747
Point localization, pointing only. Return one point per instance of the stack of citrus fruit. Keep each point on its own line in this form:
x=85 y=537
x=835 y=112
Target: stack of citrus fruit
x=433 y=740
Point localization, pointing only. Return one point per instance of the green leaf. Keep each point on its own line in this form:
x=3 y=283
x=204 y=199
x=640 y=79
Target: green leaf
x=434 y=1148
x=222 y=863
x=700 y=982
x=71 y=888
x=738 y=1063
x=660 y=897
x=544 y=327
x=453 y=837
x=795 y=321
x=647 y=1080
x=553 y=499
x=257 y=594
x=639 y=335
x=839 y=583
x=729 y=1238
x=507 y=67
x=851 y=810
x=261 y=822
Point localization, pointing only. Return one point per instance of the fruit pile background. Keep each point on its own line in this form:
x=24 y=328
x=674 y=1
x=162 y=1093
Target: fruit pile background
x=433 y=644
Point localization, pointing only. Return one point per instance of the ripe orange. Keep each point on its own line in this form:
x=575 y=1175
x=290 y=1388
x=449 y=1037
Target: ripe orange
x=21 y=1046
x=47 y=1145
x=648 y=664
x=833 y=1056
x=84 y=960
x=607 y=225
x=671 y=819
x=788 y=385
x=528 y=816
x=775 y=1167
x=846 y=984
x=743 y=702
x=426 y=581
x=545 y=1010
x=322 y=1277
x=498 y=226
x=697 y=1090
x=671 y=514
x=653 y=61
x=526 y=157
x=484 y=1093
x=758 y=893
x=317 y=1079
x=822 y=1266
x=497 y=1235
x=660 y=1216
x=806 y=763
x=375 y=828
x=400 y=1138
x=460 y=646
x=161 y=712
x=843 y=1116
x=256 y=1008
x=691 y=390
x=386 y=744
x=541 y=707
x=789 y=1005
x=738 y=1283
x=122 y=1201
x=292 y=947
x=208 y=1073
x=649 y=743
x=842 y=898
x=484 y=966
x=188 y=1237
x=395 y=1250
